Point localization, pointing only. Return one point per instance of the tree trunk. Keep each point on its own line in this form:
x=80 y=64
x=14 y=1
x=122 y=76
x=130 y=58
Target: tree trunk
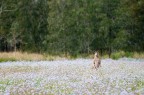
x=14 y=44
x=101 y=51
x=109 y=52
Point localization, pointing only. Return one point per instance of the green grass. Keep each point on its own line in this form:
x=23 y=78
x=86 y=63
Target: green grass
x=140 y=84
x=7 y=59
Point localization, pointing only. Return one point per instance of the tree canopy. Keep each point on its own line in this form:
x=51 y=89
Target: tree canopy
x=71 y=26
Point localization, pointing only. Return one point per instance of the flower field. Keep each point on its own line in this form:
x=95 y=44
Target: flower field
x=72 y=77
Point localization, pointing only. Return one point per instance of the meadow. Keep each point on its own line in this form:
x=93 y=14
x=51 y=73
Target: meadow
x=72 y=77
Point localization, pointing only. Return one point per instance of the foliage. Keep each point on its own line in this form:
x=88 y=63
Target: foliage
x=72 y=27
x=118 y=55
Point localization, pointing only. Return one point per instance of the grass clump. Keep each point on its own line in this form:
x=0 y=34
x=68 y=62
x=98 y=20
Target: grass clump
x=7 y=59
x=140 y=84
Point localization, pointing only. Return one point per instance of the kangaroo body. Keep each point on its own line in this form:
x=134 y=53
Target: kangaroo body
x=96 y=61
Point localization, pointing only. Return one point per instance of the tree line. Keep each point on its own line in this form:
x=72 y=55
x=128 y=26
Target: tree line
x=71 y=26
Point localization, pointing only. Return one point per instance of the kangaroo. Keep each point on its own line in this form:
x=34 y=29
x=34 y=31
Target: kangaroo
x=96 y=61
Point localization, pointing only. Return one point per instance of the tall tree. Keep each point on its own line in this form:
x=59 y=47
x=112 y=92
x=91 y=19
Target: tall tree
x=33 y=15
x=108 y=22
x=8 y=14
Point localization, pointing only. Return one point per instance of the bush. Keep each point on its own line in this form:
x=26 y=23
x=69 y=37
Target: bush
x=118 y=55
x=128 y=54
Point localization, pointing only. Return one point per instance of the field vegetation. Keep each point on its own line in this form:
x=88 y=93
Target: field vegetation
x=70 y=77
x=24 y=56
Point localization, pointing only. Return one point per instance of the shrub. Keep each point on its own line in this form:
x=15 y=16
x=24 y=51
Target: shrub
x=128 y=54
x=118 y=55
